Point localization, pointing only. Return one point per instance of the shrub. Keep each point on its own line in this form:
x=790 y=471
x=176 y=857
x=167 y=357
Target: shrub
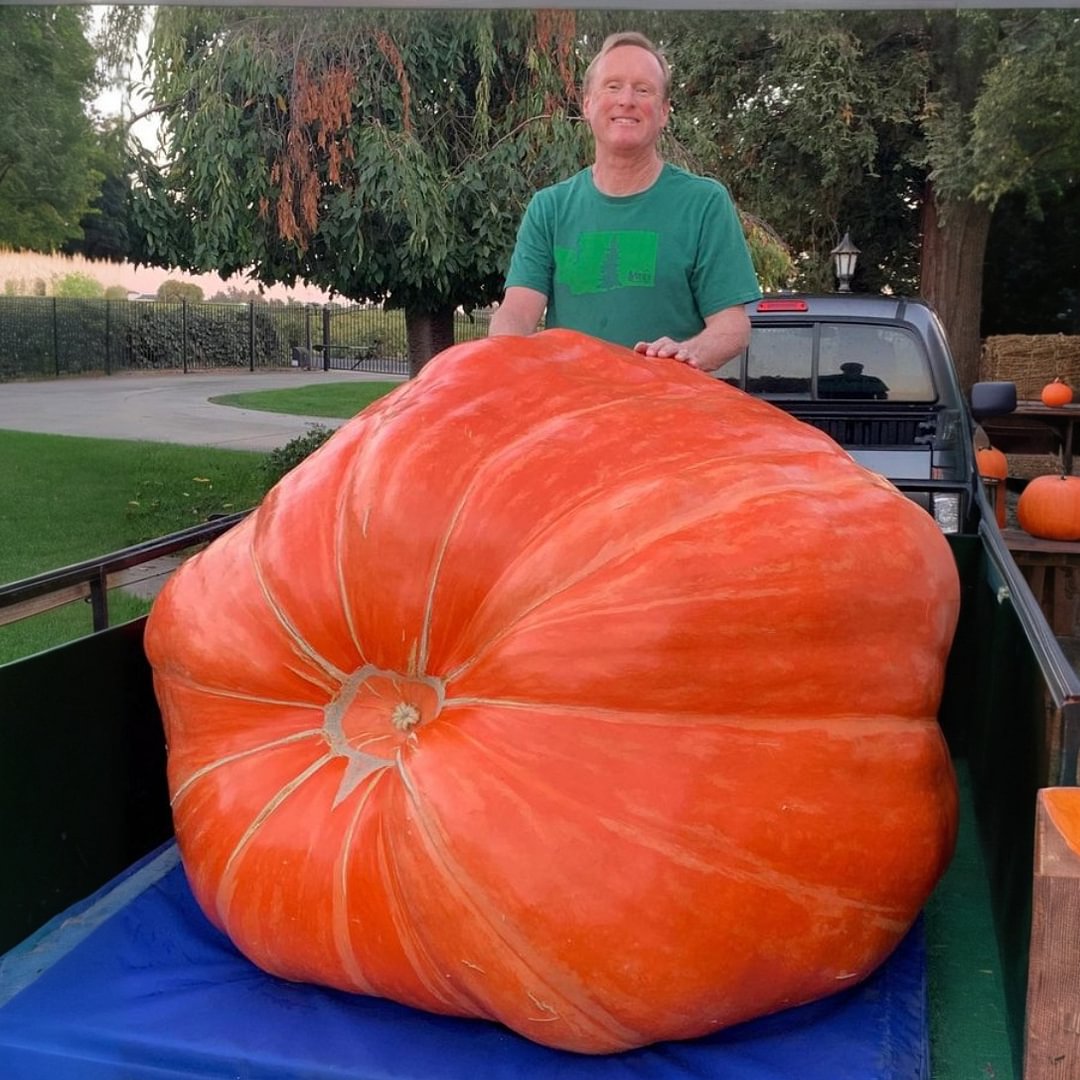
x=78 y=286
x=175 y=291
x=280 y=461
x=116 y=292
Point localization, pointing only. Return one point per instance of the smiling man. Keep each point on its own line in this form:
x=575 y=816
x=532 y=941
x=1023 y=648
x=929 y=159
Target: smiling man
x=633 y=250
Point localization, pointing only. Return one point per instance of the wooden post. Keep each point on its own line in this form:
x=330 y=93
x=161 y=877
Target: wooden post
x=1052 y=1044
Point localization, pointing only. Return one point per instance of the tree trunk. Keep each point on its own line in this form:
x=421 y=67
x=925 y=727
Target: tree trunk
x=427 y=333
x=954 y=238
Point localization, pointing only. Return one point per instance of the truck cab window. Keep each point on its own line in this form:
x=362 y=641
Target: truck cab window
x=780 y=361
x=872 y=363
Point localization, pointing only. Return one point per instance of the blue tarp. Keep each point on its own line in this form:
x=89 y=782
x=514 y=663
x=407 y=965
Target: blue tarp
x=135 y=983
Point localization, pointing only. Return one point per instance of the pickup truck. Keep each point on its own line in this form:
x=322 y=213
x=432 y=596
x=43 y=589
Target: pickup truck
x=875 y=373
x=87 y=827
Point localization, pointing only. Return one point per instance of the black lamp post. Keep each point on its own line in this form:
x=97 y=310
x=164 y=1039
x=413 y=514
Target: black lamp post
x=845 y=255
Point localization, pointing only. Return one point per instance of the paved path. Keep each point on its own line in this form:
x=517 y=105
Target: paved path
x=164 y=407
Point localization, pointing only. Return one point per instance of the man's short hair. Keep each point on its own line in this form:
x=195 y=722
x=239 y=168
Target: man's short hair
x=630 y=37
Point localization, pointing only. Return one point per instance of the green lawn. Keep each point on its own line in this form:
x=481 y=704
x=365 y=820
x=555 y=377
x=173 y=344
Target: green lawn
x=67 y=499
x=337 y=400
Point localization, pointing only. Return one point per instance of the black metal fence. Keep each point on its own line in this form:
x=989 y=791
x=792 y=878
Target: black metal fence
x=51 y=336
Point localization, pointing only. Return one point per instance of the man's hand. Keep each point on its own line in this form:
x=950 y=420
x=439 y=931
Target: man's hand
x=666 y=347
x=726 y=334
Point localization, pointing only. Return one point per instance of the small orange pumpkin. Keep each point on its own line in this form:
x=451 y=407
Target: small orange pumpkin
x=994 y=465
x=1056 y=394
x=1049 y=507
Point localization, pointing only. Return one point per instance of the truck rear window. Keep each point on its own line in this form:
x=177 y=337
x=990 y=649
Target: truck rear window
x=833 y=362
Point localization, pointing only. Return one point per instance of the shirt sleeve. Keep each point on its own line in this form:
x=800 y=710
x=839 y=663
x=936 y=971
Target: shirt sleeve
x=724 y=274
x=533 y=261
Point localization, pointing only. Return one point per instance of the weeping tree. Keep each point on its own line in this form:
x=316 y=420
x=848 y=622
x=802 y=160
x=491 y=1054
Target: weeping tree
x=905 y=127
x=383 y=156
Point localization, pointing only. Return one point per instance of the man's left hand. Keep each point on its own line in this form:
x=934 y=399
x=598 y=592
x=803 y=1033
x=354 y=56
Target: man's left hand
x=667 y=348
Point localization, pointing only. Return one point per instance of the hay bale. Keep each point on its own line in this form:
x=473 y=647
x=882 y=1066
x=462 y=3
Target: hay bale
x=1031 y=361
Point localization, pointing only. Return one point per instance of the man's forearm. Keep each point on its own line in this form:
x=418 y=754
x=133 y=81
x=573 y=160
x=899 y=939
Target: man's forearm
x=719 y=341
x=519 y=313
x=505 y=322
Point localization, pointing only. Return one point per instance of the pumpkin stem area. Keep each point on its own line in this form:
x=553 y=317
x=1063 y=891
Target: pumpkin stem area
x=376 y=710
x=405 y=717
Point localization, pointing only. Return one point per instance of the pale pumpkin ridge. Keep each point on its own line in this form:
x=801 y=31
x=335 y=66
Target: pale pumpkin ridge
x=759 y=872
x=836 y=725
x=661 y=533
x=513 y=450
x=238 y=695
x=455 y=998
x=339 y=554
x=429 y=604
x=302 y=647
x=588 y=1015
x=229 y=759
x=340 y=897
x=227 y=883
x=649 y=834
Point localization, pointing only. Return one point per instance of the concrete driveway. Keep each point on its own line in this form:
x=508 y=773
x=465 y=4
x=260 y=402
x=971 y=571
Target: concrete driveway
x=167 y=407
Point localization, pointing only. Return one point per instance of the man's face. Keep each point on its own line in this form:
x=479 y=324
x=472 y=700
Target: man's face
x=625 y=103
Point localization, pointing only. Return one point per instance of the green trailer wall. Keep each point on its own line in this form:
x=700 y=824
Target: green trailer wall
x=82 y=774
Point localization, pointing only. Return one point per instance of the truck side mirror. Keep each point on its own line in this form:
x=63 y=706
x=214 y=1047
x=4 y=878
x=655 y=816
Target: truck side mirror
x=992 y=399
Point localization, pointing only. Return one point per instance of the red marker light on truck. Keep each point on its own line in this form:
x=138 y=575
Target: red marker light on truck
x=783 y=305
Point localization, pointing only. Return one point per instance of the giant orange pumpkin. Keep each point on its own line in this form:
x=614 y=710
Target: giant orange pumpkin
x=567 y=688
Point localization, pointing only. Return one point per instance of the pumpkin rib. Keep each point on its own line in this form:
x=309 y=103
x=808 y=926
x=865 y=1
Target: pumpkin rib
x=303 y=646
x=339 y=897
x=626 y=547
x=725 y=859
x=206 y=770
x=239 y=695
x=342 y=522
x=415 y=946
x=433 y=583
x=597 y=1021
x=827 y=724
x=412 y=946
x=653 y=471
x=227 y=885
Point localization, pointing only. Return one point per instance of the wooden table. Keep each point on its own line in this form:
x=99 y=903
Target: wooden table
x=1050 y=567
x=1035 y=428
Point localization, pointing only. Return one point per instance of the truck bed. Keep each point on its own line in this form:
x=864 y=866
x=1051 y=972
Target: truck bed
x=136 y=982
x=83 y=800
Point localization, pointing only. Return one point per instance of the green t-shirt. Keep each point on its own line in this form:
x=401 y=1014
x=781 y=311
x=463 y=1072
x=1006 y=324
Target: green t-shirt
x=634 y=267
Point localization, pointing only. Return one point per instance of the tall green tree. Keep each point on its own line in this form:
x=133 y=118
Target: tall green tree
x=905 y=126
x=809 y=117
x=1002 y=116
x=105 y=229
x=382 y=155
x=47 y=141
x=385 y=156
